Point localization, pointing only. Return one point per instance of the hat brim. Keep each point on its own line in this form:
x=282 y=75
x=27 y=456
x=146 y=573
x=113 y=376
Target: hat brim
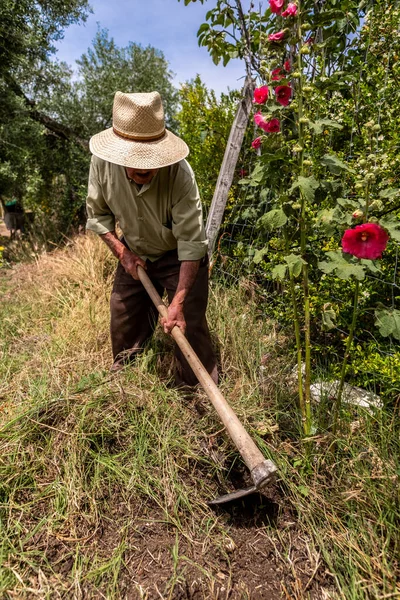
x=166 y=151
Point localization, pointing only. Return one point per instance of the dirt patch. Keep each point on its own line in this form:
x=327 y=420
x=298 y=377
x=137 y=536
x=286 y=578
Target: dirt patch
x=257 y=551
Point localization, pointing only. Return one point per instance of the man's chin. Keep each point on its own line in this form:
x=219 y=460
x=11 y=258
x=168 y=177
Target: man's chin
x=143 y=179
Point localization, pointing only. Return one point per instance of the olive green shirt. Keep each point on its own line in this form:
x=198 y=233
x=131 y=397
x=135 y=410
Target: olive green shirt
x=159 y=216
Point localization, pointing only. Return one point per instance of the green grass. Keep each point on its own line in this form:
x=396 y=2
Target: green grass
x=97 y=471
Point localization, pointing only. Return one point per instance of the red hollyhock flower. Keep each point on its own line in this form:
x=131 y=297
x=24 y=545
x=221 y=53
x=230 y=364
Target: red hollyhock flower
x=276 y=6
x=260 y=94
x=283 y=94
x=277 y=74
x=272 y=126
x=256 y=143
x=276 y=37
x=365 y=241
x=258 y=119
x=287 y=66
x=291 y=10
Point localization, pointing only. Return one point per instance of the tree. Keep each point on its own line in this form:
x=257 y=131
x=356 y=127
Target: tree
x=204 y=123
x=27 y=31
x=85 y=105
x=28 y=28
x=47 y=118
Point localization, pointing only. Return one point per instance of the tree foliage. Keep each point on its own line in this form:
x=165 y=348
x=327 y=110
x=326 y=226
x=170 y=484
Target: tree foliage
x=48 y=113
x=204 y=123
x=29 y=27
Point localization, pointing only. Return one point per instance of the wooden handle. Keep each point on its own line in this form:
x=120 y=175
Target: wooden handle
x=260 y=468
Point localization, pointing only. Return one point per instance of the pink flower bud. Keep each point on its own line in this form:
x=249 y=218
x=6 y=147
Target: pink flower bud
x=291 y=10
x=276 y=37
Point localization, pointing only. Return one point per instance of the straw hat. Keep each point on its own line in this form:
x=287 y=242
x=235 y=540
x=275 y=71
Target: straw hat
x=138 y=138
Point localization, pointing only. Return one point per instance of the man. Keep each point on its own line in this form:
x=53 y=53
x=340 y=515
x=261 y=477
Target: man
x=140 y=178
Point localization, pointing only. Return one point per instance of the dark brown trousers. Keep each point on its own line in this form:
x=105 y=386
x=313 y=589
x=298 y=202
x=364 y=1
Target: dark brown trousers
x=134 y=317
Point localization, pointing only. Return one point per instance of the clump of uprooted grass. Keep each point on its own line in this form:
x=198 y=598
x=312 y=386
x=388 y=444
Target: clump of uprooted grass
x=87 y=460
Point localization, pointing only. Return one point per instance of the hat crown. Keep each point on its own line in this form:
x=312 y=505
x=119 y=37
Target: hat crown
x=138 y=116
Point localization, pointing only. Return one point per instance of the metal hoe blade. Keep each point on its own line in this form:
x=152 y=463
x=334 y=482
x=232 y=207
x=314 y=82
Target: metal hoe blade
x=233 y=496
x=262 y=476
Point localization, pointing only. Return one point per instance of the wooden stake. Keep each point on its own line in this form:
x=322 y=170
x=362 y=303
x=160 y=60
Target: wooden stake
x=228 y=166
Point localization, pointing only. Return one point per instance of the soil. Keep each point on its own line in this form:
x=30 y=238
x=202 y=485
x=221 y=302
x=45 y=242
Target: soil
x=264 y=556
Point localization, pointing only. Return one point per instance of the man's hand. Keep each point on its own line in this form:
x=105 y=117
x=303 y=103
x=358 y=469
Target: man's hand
x=187 y=276
x=130 y=261
x=127 y=258
x=175 y=317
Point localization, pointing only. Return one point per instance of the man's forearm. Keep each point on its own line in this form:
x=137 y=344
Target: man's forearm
x=128 y=259
x=187 y=277
x=112 y=241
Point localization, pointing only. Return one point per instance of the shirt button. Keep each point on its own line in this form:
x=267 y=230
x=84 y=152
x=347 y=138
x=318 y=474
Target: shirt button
x=140 y=218
x=141 y=239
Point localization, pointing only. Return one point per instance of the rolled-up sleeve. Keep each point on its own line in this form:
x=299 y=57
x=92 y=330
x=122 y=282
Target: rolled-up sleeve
x=187 y=220
x=100 y=218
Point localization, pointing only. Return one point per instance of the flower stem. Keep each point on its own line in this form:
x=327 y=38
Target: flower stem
x=299 y=355
x=366 y=204
x=299 y=348
x=306 y=408
x=338 y=400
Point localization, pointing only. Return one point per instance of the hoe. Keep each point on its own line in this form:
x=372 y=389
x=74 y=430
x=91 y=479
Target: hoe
x=261 y=470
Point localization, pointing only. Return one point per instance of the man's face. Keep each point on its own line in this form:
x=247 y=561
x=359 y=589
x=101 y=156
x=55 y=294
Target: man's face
x=141 y=176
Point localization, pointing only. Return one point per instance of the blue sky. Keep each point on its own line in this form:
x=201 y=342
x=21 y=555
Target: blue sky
x=168 y=25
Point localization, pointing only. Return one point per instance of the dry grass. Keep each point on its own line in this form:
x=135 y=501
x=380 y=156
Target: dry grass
x=104 y=480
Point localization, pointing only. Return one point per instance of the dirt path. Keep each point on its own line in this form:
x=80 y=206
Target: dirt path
x=4 y=233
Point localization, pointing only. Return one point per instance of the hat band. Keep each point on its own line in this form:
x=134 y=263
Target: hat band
x=137 y=138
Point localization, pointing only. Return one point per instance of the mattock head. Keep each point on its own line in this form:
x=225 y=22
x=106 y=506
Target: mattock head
x=262 y=475
x=233 y=496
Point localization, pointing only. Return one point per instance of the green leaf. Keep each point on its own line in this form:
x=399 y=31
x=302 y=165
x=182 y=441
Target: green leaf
x=249 y=213
x=319 y=126
x=257 y=174
x=203 y=27
x=389 y=193
x=370 y=265
x=270 y=157
x=272 y=220
x=392 y=224
x=304 y=491
x=343 y=268
x=334 y=164
x=295 y=264
x=388 y=321
x=307 y=186
x=328 y=317
x=259 y=255
x=347 y=203
x=325 y=216
x=279 y=272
